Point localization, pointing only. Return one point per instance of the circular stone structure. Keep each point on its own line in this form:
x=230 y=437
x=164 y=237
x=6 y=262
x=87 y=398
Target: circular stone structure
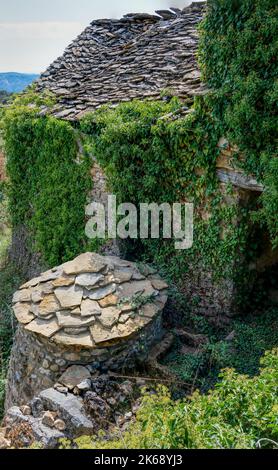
x=98 y=311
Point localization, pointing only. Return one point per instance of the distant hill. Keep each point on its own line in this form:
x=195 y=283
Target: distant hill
x=14 y=82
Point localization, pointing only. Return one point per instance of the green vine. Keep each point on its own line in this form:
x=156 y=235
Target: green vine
x=238 y=56
x=150 y=157
x=48 y=180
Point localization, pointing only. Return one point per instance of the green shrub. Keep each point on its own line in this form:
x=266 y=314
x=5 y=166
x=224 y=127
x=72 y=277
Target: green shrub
x=241 y=412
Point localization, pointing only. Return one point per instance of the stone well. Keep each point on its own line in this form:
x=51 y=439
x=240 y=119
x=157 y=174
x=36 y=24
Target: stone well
x=98 y=311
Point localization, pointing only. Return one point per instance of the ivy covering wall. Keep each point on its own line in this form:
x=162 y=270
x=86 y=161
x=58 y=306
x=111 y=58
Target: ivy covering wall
x=238 y=55
x=48 y=180
x=149 y=155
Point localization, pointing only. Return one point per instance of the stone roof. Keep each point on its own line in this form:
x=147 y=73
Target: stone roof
x=137 y=56
x=90 y=302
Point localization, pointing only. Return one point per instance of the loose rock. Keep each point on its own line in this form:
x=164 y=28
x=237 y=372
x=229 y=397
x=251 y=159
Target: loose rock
x=74 y=376
x=60 y=425
x=48 y=419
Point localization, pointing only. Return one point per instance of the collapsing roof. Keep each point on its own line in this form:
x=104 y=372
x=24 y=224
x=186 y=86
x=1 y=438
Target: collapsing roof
x=137 y=56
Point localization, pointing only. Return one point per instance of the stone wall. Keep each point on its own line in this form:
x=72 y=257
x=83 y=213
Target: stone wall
x=218 y=299
x=208 y=297
x=97 y=311
x=100 y=193
x=36 y=364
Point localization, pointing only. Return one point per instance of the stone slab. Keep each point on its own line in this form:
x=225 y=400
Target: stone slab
x=23 y=313
x=48 y=305
x=43 y=327
x=109 y=316
x=23 y=295
x=102 y=292
x=73 y=376
x=69 y=297
x=82 y=341
x=66 y=320
x=85 y=263
x=88 y=280
x=90 y=307
x=70 y=409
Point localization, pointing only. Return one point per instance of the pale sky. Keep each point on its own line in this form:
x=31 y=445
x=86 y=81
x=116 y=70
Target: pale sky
x=33 y=33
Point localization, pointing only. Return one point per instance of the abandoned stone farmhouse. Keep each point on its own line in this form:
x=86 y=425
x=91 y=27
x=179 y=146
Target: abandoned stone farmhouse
x=82 y=313
x=142 y=56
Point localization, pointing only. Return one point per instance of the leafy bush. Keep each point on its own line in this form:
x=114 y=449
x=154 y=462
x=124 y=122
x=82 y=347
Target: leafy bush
x=241 y=412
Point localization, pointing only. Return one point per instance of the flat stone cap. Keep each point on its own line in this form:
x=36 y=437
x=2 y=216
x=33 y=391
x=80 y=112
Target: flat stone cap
x=90 y=302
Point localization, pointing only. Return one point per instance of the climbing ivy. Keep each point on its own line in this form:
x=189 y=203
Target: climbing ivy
x=152 y=154
x=149 y=157
x=48 y=180
x=238 y=56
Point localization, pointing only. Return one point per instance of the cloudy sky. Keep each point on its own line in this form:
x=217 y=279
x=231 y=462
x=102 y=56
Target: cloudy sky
x=34 y=32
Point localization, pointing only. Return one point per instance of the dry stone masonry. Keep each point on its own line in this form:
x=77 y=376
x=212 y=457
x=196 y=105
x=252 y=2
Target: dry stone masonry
x=96 y=310
x=137 y=56
x=70 y=409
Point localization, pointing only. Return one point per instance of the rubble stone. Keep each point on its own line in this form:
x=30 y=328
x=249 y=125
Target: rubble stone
x=73 y=376
x=91 y=321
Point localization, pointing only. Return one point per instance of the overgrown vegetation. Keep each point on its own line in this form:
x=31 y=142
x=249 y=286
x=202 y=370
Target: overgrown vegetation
x=241 y=412
x=238 y=52
x=48 y=179
x=240 y=345
x=150 y=157
x=10 y=279
x=151 y=153
x=5 y=228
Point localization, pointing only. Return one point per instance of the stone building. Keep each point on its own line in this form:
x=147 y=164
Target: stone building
x=100 y=313
x=96 y=310
x=142 y=56
x=138 y=56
